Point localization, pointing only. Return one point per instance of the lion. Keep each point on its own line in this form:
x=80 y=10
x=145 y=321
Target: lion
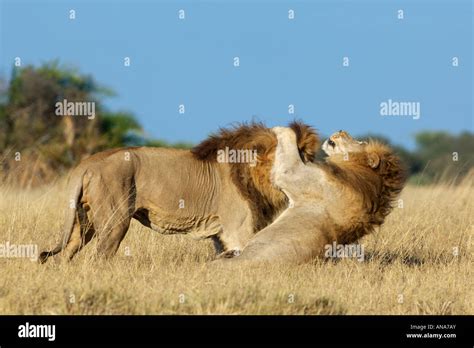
x=178 y=191
x=336 y=201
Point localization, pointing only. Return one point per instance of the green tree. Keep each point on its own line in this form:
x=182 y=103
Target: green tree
x=48 y=143
x=444 y=155
x=120 y=129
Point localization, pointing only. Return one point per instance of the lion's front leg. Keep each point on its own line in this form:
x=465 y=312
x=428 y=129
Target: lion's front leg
x=287 y=157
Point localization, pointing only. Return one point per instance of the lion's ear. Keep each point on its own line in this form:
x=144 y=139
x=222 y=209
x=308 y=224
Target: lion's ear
x=373 y=159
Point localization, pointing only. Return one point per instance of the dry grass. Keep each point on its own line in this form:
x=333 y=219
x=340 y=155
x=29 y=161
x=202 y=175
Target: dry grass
x=409 y=267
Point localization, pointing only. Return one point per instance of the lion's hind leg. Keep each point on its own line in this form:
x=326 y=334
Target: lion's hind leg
x=82 y=233
x=110 y=238
x=111 y=222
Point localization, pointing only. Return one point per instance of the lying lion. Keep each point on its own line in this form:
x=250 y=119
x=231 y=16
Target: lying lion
x=178 y=191
x=339 y=200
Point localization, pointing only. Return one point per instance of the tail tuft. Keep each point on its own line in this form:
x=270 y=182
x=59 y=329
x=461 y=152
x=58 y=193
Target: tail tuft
x=43 y=257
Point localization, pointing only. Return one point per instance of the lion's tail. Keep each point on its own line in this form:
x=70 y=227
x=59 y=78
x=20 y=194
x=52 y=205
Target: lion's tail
x=69 y=224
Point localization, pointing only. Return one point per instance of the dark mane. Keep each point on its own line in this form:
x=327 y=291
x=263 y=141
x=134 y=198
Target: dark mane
x=238 y=136
x=255 y=135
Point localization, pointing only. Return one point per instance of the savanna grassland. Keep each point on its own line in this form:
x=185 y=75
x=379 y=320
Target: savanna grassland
x=419 y=262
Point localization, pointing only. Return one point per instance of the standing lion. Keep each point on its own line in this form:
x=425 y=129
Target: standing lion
x=178 y=191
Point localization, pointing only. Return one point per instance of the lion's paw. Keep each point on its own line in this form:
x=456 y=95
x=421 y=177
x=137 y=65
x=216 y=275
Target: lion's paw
x=229 y=254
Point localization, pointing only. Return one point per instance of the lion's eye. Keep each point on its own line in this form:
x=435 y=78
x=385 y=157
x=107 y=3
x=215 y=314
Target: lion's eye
x=332 y=143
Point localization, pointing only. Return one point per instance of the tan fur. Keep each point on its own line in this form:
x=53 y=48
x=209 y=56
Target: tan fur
x=339 y=200
x=177 y=191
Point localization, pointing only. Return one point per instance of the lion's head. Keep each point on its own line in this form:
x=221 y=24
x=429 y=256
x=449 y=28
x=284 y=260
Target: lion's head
x=342 y=142
x=370 y=168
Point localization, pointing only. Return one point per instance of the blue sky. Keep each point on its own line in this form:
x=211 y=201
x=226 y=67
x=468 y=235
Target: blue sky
x=282 y=61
